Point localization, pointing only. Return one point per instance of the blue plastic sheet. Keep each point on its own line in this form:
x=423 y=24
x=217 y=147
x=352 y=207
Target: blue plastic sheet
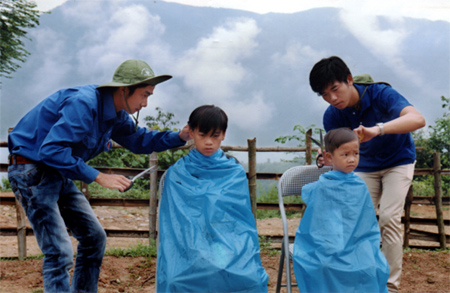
x=208 y=236
x=337 y=245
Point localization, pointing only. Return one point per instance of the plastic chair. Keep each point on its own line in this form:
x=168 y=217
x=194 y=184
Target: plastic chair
x=291 y=183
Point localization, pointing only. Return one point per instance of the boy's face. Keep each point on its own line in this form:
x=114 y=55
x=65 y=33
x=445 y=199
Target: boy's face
x=346 y=157
x=207 y=143
x=340 y=94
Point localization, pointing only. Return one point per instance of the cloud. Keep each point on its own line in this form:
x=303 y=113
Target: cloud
x=250 y=114
x=124 y=35
x=213 y=69
x=386 y=44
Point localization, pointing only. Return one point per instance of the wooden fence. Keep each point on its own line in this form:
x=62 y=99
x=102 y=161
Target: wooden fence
x=21 y=230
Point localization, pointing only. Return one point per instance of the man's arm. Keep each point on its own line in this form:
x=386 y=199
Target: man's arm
x=409 y=120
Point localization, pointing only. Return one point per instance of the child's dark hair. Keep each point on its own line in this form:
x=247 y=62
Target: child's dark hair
x=337 y=137
x=207 y=118
x=326 y=72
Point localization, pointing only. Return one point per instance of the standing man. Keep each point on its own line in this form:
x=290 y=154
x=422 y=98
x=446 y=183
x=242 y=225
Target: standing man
x=383 y=120
x=49 y=148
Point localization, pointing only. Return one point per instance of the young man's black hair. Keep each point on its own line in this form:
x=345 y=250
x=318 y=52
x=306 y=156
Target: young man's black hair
x=326 y=72
x=207 y=118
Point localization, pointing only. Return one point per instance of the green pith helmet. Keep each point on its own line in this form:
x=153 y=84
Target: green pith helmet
x=134 y=72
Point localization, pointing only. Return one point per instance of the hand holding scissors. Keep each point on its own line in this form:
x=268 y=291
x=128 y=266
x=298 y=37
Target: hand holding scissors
x=321 y=152
x=149 y=170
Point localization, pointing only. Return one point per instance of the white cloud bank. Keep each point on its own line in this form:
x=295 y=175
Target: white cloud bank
x=213 y=70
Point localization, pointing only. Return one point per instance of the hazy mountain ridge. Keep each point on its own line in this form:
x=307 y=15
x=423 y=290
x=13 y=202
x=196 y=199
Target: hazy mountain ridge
x=270 y=92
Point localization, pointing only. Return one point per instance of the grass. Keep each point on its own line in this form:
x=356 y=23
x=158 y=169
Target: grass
x=140 y=249
x=271 y=196
x=265 y=245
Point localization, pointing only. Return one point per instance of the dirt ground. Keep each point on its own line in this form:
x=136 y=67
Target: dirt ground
x=423 y=270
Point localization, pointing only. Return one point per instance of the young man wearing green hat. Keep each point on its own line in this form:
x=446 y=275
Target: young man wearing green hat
x=49 y=148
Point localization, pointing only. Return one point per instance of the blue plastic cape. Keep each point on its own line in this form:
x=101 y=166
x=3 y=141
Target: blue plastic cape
x=337 y=245
x=208 y=236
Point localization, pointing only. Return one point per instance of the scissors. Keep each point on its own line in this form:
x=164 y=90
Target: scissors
x=320 y=144
x=149 y=170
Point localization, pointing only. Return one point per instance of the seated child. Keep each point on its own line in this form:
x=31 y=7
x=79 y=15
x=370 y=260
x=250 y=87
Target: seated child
x=208 y=236
x=337 y=245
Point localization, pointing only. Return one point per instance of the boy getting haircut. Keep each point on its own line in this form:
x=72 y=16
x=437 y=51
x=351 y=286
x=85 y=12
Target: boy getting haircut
x=208 y=236
x=337 y=137
x=337 y=244
x=207 y=118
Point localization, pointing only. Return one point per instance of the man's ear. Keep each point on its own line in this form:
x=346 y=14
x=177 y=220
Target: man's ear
x=350 y=79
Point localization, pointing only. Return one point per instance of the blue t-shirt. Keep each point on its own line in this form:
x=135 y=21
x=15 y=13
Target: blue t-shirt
x=380 y=103
x=76 y=124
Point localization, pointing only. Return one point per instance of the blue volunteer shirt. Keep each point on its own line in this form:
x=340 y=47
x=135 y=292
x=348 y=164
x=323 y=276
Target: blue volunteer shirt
x=380 y=103
x=74 y=125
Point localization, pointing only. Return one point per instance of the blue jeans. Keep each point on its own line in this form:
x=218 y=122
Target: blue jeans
x=51 y=204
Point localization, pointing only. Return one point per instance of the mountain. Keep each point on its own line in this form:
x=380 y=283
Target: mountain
x=254 y=66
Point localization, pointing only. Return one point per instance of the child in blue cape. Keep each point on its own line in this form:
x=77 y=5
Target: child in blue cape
x=337 y=245
x=208 y=236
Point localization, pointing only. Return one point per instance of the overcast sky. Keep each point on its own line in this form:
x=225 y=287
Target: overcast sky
x=429 y=9
x=358 y=16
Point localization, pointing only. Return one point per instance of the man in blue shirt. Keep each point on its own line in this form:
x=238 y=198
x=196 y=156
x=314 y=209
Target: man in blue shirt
x=49 y=148
x=383 y=120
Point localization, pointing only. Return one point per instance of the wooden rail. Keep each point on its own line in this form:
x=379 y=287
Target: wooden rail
x=22 y=231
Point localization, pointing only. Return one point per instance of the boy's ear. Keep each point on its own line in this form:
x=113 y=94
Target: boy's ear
x=191 y=133
x=224 y=135
x=328 y=157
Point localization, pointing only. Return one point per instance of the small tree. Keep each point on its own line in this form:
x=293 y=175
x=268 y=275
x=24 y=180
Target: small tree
x=436 y=140
x=163 y=121
x=15 y=17
x=300 y=137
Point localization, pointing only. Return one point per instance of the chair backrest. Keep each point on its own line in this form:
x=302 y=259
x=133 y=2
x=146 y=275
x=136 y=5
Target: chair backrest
x=293 y=179
x=291 y=183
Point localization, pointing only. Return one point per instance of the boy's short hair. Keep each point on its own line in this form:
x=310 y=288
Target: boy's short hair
x=326 y=72
x=337 y=137
x=207 y=118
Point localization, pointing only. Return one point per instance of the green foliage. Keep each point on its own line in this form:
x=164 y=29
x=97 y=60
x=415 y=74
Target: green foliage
x=120 y=158
x=163 y=121
x=140 y=190
x=147 y=251
x=6 y=186
x=265 y=246
x=437 y=139
x=300 y=137
x=15 y=17
x=271 y=196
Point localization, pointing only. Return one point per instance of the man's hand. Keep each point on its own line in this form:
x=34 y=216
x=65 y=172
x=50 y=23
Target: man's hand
x=113 y=181
x=184 y=133
x=322 y=160
x=366 y=133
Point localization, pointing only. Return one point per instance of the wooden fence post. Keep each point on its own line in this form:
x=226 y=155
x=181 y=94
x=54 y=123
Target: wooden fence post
x=252 y=173
x=308 y=152
x=438 y=198
x=153 y=197
x=21 y=226
x=408 y=202
x=21 y=230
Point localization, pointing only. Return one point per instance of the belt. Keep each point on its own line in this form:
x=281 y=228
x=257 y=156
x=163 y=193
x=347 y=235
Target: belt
x=19 y=160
